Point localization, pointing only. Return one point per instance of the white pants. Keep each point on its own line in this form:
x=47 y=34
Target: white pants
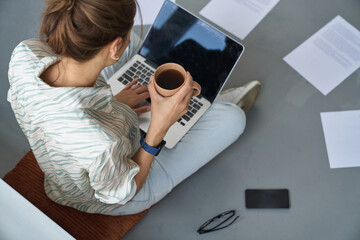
x=219 y=127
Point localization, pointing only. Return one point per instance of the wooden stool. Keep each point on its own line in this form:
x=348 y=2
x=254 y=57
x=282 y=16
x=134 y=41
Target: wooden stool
x=28 y=179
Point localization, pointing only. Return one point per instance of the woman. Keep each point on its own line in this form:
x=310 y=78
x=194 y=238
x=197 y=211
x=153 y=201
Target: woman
x=86 y=141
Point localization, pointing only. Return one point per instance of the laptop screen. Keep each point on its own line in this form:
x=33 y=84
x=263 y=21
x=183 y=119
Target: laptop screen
x=180 y=37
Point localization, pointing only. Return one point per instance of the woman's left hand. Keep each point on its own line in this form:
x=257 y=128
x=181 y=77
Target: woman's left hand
x=132 y=95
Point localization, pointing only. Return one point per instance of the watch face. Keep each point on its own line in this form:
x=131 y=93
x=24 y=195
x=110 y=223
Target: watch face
x=161 y=145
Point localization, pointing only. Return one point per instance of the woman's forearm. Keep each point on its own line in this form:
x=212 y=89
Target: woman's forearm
x=145 y=159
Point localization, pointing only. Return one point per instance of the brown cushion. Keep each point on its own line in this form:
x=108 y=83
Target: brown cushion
x=28 y=179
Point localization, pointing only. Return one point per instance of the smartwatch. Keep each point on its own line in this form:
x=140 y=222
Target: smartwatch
x=152 y=150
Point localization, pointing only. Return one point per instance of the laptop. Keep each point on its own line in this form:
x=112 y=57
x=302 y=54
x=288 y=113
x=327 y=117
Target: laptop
x=179 y=36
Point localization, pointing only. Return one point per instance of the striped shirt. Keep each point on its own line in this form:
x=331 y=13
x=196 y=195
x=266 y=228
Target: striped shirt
x=82 y=138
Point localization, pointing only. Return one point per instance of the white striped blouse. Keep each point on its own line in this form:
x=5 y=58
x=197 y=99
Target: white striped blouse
x=82 y=138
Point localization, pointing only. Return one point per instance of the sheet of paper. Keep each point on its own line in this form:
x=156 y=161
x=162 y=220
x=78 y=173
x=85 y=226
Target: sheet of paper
x=149 y=11
x=239 y=17
x=329 y=56
x=342 y=138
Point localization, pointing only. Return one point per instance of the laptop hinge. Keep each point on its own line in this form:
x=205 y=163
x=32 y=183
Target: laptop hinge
x=147 y=61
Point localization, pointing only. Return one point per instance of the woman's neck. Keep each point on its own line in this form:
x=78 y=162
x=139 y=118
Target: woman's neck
x=71 y=73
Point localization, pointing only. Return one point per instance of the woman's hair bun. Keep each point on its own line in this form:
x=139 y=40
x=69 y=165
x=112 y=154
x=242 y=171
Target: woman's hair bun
x=81 y=28
x=70 y=4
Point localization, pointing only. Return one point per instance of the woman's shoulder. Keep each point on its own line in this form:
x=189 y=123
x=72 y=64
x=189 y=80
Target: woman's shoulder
x=27 y=54
x=33 y=45
x=28 y=57
x=31 y=49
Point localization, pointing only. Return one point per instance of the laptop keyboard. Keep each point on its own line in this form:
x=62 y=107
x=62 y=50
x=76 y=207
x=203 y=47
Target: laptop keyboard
x=194 y=106
x=139 y=70
x=143 y=72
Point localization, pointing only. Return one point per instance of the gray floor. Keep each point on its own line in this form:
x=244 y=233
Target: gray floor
x=283 y=145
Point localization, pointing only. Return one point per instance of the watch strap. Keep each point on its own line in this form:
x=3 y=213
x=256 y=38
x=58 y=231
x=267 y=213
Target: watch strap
x=152 y=150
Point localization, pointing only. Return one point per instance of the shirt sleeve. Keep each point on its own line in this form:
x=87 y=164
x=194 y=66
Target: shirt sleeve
x=112 y=175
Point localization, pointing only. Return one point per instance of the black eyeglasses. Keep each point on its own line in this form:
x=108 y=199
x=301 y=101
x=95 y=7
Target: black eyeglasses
x=213 y=224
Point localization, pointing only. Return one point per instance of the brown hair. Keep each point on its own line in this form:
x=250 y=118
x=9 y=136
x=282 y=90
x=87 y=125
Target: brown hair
x=80 y=28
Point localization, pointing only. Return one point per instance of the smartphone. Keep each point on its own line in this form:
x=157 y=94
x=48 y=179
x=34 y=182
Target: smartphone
x=267 y=198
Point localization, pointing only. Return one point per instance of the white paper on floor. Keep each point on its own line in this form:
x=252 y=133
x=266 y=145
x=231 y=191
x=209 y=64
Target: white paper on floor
x=342 y=138
x=239 y=17
x=329 y=56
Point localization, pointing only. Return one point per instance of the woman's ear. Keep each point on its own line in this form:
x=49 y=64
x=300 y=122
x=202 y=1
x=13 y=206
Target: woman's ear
x=115 y=47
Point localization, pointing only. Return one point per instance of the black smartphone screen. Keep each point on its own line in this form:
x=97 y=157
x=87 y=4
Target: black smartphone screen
x=267 y=198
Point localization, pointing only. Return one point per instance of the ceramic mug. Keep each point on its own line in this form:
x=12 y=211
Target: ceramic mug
x=170 y=77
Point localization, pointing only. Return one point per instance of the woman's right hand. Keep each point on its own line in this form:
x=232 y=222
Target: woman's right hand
x=165 y=111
